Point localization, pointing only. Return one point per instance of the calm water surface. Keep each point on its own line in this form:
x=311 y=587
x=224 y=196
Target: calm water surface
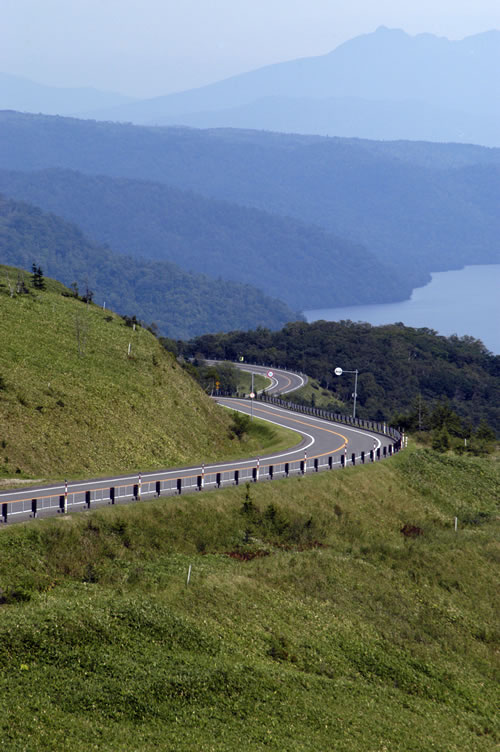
x=458 y=302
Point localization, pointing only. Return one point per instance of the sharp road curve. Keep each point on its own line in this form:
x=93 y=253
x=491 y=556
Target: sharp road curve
x=324 y=445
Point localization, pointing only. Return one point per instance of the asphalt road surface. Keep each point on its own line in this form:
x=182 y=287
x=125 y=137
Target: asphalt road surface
x=323 y=445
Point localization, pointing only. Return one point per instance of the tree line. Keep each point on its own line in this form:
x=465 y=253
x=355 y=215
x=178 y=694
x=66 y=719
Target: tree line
x=397 y=365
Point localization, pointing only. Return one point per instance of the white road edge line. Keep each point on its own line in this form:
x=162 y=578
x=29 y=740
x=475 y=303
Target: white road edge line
x=227 y=464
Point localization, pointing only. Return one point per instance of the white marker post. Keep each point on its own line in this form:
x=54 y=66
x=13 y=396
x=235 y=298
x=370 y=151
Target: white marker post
x=258 y=469
x=65 y=497
x=139 y=487
x=305 y=462
x=203 y=476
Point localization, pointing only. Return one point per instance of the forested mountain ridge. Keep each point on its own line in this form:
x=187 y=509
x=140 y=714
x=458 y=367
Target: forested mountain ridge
x=212 y=237
x=398 y=365
x=180 y=303
x=413 y=216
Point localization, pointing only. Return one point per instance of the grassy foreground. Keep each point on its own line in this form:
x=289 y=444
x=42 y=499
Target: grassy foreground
x=310 y=621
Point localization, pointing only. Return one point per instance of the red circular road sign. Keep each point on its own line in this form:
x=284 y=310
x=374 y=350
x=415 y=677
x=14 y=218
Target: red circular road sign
x=270 y=374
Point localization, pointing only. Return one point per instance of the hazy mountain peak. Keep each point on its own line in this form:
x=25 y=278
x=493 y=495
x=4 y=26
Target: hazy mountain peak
x=384 y=84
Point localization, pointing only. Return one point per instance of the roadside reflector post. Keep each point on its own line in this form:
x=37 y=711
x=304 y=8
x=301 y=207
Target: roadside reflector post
x=258 y=469
x=139 y=488
x=236 y=477
x=456 y=524
x=202 y=476
x=87 y=499
x=305 y=463
x=158 y=488
x=179 y=486
x=65 y=497
x=5 y=512
x=316 y=464
x=34 y=506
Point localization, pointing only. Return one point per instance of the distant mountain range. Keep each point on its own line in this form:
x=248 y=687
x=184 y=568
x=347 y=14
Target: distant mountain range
x=385 y=85
x=18 y=93
x=416 y=207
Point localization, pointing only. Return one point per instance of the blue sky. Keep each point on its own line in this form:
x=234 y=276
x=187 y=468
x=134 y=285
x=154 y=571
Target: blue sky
x=153 y=47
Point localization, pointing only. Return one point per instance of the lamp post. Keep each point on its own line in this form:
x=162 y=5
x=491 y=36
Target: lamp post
x=252 y=396
x=339 y=372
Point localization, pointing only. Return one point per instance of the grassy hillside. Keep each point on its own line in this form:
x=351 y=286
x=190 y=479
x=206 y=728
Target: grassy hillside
x=310 y=621
x=74 y=403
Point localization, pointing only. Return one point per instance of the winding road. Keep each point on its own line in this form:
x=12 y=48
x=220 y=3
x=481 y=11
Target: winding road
x=324 y=445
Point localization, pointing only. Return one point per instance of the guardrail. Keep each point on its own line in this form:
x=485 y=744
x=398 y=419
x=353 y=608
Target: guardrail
x=369 y=425
x=154 y=485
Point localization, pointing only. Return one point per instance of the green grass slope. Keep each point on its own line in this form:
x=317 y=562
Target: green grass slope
x=74 y=403
x=309 y=623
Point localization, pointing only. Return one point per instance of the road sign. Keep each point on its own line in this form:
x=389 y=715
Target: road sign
x=252 y=395
x=338 y=372
x=217 y=384
x=270 y=374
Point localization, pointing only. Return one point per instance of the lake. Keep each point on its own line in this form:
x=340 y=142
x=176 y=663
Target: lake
x=458 y=302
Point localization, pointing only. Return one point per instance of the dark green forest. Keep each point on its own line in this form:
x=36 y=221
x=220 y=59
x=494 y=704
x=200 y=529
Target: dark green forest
x=180 y=303
x=401 y=369
x=417 y=207
x=215 y=238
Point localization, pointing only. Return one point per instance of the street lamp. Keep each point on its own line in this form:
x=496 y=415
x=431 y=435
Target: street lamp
x=339 y=372
x=252 y=397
